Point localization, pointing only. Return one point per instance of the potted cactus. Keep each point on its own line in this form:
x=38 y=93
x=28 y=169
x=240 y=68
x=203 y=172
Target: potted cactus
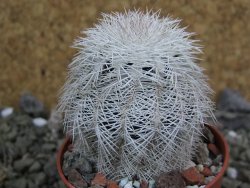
x=135 y=100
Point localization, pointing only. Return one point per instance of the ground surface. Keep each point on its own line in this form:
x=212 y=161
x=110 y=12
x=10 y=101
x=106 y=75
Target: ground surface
x=28 y=152
x=35 y=37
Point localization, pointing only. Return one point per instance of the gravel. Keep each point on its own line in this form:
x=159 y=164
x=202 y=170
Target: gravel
x=28 y=153
x=234 y=116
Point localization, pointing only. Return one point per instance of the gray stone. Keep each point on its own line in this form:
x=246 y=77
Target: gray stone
x=31 y=184
x=31 y=105
x=245 y=185
x=89 y=177
x=36 y=166
x=84 y=166
x=50 y=168
x=49 y=147
x=247 y=155
x=77 y=161
x=215 y=169
x=239 y=164
x=218 y=159
x=202 y=153
x=234 y=152
x=16 y=183
x=244 y=174
x=240 y=121
x=229 y=183
x=123 y=182
x=231 y=100
x=23 y=120
x=41 y=131
x=40 y=178
x=76 y=179
x=3 y=174
x=12 y=135
x=209 y=162
x=22 y=143
x=242 y=156
x=23 y=164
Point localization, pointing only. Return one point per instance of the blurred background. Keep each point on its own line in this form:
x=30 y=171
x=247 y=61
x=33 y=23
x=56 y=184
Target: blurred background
x=35 y=40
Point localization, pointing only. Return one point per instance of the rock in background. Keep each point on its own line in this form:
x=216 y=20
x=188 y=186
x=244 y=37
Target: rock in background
x=29 y=142
x=234 y=116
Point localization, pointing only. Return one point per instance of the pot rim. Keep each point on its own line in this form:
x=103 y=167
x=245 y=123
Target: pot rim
x=220 y=140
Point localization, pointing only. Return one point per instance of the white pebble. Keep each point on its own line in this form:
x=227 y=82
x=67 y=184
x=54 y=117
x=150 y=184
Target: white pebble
x=232 y=173
x=123 y=182
x=213 y=169
x=129 y=185
x=209 y=162
x=232 y=134
x=39 y=122
x=200 y=167
x=192 y=186
x=6 y=112
x=136 y=184
x=151 y=183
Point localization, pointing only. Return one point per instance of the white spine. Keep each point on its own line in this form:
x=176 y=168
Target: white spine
x=135 y=100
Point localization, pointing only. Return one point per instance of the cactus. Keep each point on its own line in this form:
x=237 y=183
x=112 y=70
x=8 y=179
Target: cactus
x=135 y=100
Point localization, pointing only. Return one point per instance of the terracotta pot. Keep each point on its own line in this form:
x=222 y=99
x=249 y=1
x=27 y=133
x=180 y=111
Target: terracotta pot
x=221 y=143
x=215 y=183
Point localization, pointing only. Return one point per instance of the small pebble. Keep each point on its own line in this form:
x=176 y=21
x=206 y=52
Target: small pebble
x=136 y=184
x=6 y=112
x=192 y=186
x=129 y=185
x=232 y=173
x=151 y=184
x=200 y=167
x=213 y=169
x=208 y=162
x=39 y=122
x=218 y=159
x=123 y=182
x=232 y=134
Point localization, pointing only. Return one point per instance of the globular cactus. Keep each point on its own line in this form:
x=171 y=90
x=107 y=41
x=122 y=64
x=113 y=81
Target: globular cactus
x=135 y=100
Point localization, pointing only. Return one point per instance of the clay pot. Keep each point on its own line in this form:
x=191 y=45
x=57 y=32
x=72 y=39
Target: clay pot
x=215 y=183
x=222 y=144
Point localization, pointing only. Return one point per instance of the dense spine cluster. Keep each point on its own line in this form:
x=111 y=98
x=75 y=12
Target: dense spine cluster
x=135 y=100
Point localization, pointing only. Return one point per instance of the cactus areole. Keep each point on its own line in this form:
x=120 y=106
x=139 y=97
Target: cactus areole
x=135 y=100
